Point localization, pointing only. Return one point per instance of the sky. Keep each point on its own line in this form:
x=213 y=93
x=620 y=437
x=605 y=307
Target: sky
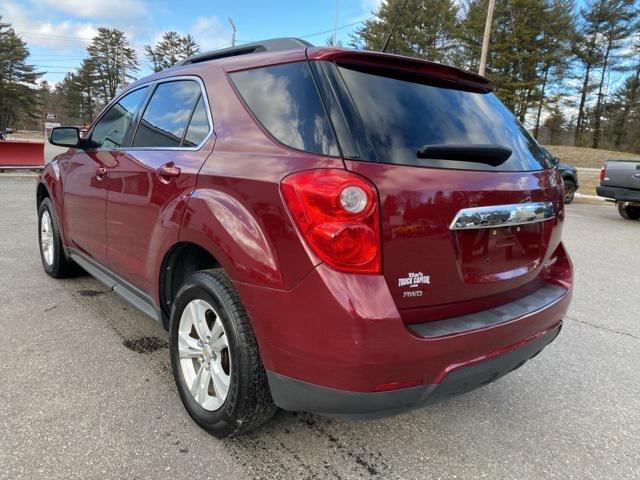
x=57 y=32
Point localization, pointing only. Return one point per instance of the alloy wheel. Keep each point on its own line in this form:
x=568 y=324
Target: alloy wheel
x=203 y=349
x=46 y=237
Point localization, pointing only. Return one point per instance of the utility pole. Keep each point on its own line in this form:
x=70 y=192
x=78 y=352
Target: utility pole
x=233 y=35
x=485 y=39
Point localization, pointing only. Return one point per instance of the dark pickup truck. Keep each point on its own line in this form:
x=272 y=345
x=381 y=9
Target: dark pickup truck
x=620 y=181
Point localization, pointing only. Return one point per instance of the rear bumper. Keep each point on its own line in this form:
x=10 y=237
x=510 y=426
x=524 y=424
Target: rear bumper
x=341 y=335
x=295 y=395
x=619 y=194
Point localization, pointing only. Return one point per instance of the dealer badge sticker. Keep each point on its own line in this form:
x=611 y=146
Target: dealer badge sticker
x=414 y=280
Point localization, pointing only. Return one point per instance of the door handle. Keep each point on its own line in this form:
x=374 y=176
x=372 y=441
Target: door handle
x=167 y=171
x=101 y=172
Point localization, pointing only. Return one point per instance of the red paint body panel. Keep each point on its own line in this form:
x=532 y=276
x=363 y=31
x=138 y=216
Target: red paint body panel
x=399 y=63
x=145 y=210
x=16 y=153
x=418 y=205
x=344 y=331
x=85 y=199
x=236 y=211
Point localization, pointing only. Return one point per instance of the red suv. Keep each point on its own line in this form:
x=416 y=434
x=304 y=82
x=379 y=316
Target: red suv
x=334 y=231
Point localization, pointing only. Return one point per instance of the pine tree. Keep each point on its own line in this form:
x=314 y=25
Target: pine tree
x=171 y=49
x=18 y=89
x=79 y=90
x=527 y=50
x=425 y=29
x=113 y=59
x=619 y=23
x=589 y=53
x=556 y=42
x=628 y=97
x=555 y=125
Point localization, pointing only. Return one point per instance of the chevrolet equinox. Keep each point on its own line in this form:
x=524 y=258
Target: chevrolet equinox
x=347 y=233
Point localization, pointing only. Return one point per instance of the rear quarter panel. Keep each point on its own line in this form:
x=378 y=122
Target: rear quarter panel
x=236 y=211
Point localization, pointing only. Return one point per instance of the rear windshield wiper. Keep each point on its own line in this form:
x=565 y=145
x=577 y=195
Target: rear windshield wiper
x=491 y=154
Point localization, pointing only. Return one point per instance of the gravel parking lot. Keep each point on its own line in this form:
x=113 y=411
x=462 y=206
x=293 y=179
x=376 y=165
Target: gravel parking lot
x=86 y=389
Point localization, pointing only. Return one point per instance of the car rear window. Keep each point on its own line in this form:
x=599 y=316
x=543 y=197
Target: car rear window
x=285 y=100
x=402 y=116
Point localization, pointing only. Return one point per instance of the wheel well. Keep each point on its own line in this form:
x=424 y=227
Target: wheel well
x=41 y=194
x=181 y=261
x=569 y=177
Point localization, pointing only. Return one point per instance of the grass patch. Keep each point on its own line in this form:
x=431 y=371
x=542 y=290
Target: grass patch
x=587 y=157
x=588 y=182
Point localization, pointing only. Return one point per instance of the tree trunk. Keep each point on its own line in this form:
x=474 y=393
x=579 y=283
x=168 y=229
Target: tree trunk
x=583 y=99
x=544 y=85
x=598 y=110
x=585 y=84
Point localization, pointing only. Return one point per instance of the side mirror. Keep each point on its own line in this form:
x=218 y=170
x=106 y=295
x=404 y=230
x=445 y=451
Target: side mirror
x=555 y=161
x=65 y=137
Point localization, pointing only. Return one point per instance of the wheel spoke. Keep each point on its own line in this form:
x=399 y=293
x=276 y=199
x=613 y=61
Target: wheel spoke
x=219 y=344
x=199 y=320
x=200 y=386
x=220 y=380
x=188 y=346
x=216 y=329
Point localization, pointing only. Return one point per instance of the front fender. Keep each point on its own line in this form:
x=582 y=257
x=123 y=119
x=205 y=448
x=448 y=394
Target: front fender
x=52 y=182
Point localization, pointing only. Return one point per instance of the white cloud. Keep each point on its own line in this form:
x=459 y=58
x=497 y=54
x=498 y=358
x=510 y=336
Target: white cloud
x=63 y=35
x=210 y=33
x=98 y=8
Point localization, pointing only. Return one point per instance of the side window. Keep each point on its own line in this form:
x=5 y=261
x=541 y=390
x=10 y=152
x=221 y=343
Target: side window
x=111 y=129
x=165 y=119
x=198 y=126
x=285 y=100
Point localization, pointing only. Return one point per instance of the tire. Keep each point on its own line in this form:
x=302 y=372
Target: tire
x=629 y=212
x=247 y=402
x=54 y=261
x=569 y=191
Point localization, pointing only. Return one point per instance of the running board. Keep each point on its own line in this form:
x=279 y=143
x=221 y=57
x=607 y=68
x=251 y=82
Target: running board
x=131 y=294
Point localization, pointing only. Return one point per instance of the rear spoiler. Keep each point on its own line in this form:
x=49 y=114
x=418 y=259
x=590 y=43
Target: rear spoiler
x=399 y=63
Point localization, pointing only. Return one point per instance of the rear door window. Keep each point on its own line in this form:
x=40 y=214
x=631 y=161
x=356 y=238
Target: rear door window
x=198 y=126
x=167 y=115
x=285 y=100
x=402 y=116
x=111 y=129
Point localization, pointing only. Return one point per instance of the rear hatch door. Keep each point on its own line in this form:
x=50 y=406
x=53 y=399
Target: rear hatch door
x=442 y=152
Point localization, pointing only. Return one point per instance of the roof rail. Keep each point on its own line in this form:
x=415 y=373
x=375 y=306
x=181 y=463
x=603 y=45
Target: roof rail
x=269 y=45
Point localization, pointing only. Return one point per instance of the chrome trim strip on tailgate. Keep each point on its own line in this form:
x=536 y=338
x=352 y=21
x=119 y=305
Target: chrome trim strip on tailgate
x=541 y=298
x=502 y=215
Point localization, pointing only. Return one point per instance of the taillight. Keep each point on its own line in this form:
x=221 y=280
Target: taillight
x=602 y=173
x=337 y=213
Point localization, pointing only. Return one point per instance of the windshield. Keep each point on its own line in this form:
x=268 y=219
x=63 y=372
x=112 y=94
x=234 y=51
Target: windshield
x=401 y=117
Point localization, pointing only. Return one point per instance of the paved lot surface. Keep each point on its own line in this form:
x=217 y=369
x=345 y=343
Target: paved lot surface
x=84 y=395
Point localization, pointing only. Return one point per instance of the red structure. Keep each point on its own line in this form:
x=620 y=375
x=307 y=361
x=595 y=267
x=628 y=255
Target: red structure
x=22 y=154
